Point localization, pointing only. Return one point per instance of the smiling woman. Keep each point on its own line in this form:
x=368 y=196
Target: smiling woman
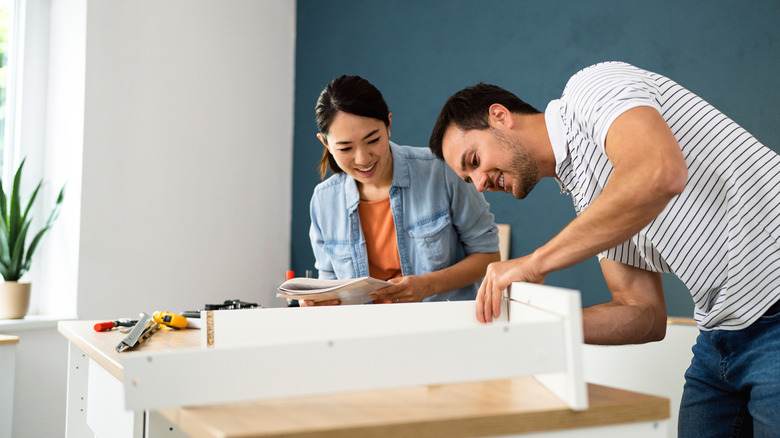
x=360 y=147
x=392 y=212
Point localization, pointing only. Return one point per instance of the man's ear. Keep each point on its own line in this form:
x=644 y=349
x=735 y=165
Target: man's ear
x=499 y=115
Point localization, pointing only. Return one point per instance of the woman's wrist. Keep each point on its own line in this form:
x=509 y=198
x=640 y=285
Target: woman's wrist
x=429 y=283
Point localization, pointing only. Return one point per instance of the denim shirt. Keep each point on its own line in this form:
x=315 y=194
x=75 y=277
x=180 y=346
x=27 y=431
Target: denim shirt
x=439 y=220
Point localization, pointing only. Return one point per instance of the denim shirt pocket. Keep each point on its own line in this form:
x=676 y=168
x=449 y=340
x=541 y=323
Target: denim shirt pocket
x=340 y=258
x=433 y=241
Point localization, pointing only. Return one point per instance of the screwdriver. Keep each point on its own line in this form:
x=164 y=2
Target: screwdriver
x=108 y=325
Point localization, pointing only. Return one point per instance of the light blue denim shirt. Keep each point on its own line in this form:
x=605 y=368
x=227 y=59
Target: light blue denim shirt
x=439 y=220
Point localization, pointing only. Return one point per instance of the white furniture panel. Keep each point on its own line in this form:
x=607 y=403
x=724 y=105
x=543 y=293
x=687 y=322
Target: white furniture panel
x=351 y=348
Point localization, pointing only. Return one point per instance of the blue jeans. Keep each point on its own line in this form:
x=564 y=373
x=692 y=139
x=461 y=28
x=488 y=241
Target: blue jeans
x=732 y=388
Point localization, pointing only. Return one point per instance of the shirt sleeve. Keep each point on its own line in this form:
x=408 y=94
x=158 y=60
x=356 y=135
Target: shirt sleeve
x=598 y=95
x=322 y=261
x=471 y=215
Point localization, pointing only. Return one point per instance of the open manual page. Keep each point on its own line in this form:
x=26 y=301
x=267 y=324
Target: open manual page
x=352 y=291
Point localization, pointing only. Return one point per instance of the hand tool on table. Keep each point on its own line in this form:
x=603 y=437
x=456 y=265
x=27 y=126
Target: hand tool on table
x=170 y=319
x=231 y=304
x=143 y=330
x=108 y=325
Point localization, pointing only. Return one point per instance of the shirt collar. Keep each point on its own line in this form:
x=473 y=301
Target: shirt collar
x=556 y=131
x=401 y=177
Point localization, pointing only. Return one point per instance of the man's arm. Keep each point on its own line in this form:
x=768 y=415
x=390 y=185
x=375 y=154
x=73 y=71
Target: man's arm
x=637 y=312
x=649 y=170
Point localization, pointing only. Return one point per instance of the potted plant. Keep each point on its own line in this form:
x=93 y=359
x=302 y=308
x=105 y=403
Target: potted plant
x=15 y=254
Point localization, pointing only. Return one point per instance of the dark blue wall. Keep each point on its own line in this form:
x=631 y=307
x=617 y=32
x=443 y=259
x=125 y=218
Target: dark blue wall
x=420 y=52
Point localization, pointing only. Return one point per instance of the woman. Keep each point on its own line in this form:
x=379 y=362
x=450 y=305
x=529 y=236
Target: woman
x=392 y=212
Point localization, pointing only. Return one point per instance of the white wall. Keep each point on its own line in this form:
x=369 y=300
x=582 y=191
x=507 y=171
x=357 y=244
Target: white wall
x=187 y=154
x=185 y=111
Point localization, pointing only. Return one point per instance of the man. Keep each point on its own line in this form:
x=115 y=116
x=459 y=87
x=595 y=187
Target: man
x=661 y=182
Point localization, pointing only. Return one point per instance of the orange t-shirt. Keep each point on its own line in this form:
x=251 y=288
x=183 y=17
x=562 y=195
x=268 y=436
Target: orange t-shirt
x=376 y=220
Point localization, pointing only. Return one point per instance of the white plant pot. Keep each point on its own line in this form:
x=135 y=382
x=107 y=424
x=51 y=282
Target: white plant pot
x=14 y=299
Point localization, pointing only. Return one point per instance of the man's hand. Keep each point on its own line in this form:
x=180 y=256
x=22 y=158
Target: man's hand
x=498 y=277
x=409 y=289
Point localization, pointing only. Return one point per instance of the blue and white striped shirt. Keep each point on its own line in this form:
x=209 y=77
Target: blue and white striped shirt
x=721 y=236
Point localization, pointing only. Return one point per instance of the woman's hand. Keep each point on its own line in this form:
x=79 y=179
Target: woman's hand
x=311 y=303
x=409 y=289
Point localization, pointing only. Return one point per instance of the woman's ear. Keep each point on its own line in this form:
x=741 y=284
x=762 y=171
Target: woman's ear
x=389 y=122
x=323 y=140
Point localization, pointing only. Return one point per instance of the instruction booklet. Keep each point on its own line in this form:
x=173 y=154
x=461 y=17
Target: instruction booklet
x=352 y=291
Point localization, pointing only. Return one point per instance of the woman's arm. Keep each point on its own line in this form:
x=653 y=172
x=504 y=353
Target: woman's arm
x=415 y=288
x=477 y=233
x=322 y=262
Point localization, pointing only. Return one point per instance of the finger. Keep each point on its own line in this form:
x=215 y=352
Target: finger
x=487 y=307
x=481 y=302
x=487 y=315
x=497 y=296
x=386 y=291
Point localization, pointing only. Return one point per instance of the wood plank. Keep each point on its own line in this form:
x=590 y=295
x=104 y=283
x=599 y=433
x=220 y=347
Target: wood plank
x=508 y=406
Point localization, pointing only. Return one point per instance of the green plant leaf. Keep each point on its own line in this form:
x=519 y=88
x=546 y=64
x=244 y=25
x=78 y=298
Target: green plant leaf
x=15 y=260
x=55 y=212
x=32 y=199
x=5 y=270
x=33 y=246
x=3 y=204
x=5 y=252
x=17 y=253
x=14 y=223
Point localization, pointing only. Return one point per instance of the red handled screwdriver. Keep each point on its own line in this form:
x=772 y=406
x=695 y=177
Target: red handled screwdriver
x=108 y=325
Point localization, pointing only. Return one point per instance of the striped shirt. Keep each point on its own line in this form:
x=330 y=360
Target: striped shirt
x=721 y=235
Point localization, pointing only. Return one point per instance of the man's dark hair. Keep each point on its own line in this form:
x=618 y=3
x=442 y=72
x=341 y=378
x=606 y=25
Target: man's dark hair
x=468 y=109
x=349 y=94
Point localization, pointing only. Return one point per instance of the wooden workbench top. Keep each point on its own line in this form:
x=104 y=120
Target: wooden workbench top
x=497 y=407
x=101 y=346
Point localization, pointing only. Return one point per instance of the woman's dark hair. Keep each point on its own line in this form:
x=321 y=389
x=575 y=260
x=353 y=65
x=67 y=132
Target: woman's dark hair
x=468 y=109
x=348 y=94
